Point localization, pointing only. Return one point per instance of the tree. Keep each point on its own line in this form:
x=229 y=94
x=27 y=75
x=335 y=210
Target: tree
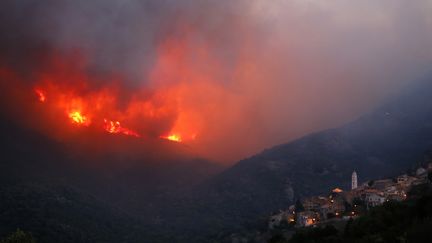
x=299 y=206
x=320 y=234
x=357 y=201
x=348 y=207
x=278 y=238
x=19 y=236
x=284 y=224
x=348 y=227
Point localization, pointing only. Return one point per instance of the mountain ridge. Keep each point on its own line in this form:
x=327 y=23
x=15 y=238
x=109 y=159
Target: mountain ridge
x=381 y=143
x=192 y=202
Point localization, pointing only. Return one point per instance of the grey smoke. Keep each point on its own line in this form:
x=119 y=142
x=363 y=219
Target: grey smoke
x=311 y=64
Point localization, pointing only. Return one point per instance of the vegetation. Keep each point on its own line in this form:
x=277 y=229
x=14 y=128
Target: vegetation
x=19 y=236
x=299 y=206
x=60 y=214
x=323 y=234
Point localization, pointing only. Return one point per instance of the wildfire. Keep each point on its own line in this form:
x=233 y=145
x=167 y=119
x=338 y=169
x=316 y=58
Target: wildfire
x=173 y=137
x=100 y=103
x=78 y=118
x=115 y=127
x=66 y=89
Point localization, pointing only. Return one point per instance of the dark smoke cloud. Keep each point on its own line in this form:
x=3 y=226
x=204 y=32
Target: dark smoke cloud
x=117 y=34
x=286 y=67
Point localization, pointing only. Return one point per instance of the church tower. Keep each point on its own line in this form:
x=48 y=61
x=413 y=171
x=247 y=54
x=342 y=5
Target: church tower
x=353 y=180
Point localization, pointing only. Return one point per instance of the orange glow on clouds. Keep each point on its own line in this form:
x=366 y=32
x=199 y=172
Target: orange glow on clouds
x=180 y=99
x=142 y=111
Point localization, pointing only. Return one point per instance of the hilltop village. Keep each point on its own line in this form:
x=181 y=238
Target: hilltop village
x=341 y=205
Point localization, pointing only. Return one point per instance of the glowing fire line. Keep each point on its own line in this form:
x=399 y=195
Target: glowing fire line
x=173 y=137
x=115 y=127
x=79 y=118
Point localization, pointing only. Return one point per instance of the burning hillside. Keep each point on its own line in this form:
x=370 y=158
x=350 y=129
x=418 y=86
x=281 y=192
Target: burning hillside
x=65 y=93
x=67 y=96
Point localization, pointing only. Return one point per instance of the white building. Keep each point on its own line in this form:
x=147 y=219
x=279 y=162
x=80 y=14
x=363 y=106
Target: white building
x=354 y=180
x=374 y=199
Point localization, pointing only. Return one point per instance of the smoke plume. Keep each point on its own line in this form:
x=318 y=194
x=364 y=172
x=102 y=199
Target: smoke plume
x=227 y=77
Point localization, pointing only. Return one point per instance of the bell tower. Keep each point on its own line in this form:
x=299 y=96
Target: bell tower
x=354 y=180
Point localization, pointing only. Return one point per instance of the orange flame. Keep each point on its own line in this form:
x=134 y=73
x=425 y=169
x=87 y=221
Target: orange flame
x=173 y=137
x=78 y=118
x=115 y=127
x=101 y=102
x=162 y=109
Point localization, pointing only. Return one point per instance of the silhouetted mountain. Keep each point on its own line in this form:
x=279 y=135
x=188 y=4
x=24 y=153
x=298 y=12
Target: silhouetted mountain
x=59 y=196
x=383 y=143
x=56 y=213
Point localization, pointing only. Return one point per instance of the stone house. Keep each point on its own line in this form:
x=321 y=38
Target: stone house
x=374 y=199
x=314 y=203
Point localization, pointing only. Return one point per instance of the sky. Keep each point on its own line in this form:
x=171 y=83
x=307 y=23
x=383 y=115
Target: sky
x=230 y=78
